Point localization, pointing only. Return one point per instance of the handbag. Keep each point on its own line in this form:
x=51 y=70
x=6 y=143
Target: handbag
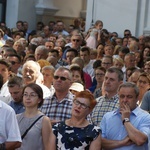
x=24 y=134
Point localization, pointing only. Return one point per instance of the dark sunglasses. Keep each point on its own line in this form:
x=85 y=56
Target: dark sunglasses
x=13 y=62
x=126 y=34
x=61 y=78
x=76 y=40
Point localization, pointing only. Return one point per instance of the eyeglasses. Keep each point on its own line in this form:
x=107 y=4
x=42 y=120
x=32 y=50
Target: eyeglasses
x=144 y=82
x=84 y=106
x=76 y=40
x=13 y=62
x=99 y=74
x=61 y=78
x=29 y=95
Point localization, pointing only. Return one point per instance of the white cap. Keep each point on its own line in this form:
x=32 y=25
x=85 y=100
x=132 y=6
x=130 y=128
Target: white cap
x=77 y=87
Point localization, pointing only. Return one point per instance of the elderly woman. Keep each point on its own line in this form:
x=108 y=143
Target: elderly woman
x=77 y=132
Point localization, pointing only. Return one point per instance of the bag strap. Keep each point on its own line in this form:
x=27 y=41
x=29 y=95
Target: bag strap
x=30 y=127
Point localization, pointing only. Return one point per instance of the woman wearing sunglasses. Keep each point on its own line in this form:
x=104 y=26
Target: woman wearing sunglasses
x=77 y=132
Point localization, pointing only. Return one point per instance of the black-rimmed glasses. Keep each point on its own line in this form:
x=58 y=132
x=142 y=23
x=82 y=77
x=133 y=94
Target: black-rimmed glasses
x=84 y=106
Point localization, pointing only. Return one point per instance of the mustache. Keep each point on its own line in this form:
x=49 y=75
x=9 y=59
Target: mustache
x=27 y=77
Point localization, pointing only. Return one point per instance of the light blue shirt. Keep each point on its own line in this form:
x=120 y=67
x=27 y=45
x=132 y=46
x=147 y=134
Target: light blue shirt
x=113 y=129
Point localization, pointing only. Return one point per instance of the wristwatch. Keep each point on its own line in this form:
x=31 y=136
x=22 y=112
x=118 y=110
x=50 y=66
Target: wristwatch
x=125 y=120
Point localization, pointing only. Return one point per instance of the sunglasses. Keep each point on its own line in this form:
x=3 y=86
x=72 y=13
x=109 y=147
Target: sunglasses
x=13 y=62
x=76 y=40
x=61 y=78
x=126 y=34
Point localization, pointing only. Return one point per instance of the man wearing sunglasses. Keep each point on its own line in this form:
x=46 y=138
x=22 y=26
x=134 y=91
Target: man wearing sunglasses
x=15 y=61
x=58 y=107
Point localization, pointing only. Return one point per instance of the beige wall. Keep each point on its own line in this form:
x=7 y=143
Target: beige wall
x=68 y=8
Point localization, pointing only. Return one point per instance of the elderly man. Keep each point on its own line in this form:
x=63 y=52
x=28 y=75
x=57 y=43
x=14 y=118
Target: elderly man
x=31 y=73
x=41 y=52
x=58 y=107
x=127 y=128
x=109 y=102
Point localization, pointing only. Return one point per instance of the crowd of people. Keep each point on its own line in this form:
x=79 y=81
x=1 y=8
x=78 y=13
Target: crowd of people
x=65 y=88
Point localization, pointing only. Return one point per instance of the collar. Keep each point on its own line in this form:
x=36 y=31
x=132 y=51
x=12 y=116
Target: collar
x=114 y=98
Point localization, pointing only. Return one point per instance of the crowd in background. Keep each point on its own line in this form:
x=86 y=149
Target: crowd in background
x=66 y=67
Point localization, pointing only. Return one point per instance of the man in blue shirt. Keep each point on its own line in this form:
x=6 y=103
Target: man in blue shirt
x=127 y=128
x=15 y=86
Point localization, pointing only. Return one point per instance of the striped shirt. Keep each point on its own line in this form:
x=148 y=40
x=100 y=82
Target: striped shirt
x=104 y=105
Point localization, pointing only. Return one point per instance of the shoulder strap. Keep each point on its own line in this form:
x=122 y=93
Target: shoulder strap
x=30 y=127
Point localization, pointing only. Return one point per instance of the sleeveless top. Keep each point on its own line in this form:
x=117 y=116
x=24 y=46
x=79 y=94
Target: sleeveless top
x=33 y=139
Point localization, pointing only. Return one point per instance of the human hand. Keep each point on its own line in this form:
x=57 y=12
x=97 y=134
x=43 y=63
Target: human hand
x=127 y=141
x=125 y=111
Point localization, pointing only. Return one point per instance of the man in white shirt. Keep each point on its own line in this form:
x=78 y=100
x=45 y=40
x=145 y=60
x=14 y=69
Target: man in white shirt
x=10 y=137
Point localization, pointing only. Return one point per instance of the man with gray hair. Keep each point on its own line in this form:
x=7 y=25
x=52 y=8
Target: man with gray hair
x=30 y=74
x=41 y=52
x=109 y=101
x=58 y=106
x=128 y=127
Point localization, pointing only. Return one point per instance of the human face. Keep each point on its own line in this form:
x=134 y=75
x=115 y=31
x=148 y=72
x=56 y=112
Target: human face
x=147 y=69
x=19 y=26
x=99 y=75
x=30 y=98
x=118 y=41
x=60 y=85
x=76 y=41
x=111 y=82
x=40 y=55
x=60 y=42
x=125 y=41
x=29 y=73
x=106 y=63
x=146 y=52
x=15 y=63
x=69 y=57
x=100 y=51
x=48 y=76
x=128 y=97
x=16 y=93
x=49 y=45
x=80 y=108
x=4 y=72
x=127 y=34
x=108 y=50
x=85 y=56
x=143 y=83
x=60 y=26
x=99 y=26
x=118 y=64
x=18 y=47
x=46 y=31
x=122 y=55
x=129 y=61
x=76 y=76
x=137 y=57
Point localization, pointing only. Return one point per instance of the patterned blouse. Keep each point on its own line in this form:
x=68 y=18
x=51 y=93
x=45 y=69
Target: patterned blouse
x=74 y=138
